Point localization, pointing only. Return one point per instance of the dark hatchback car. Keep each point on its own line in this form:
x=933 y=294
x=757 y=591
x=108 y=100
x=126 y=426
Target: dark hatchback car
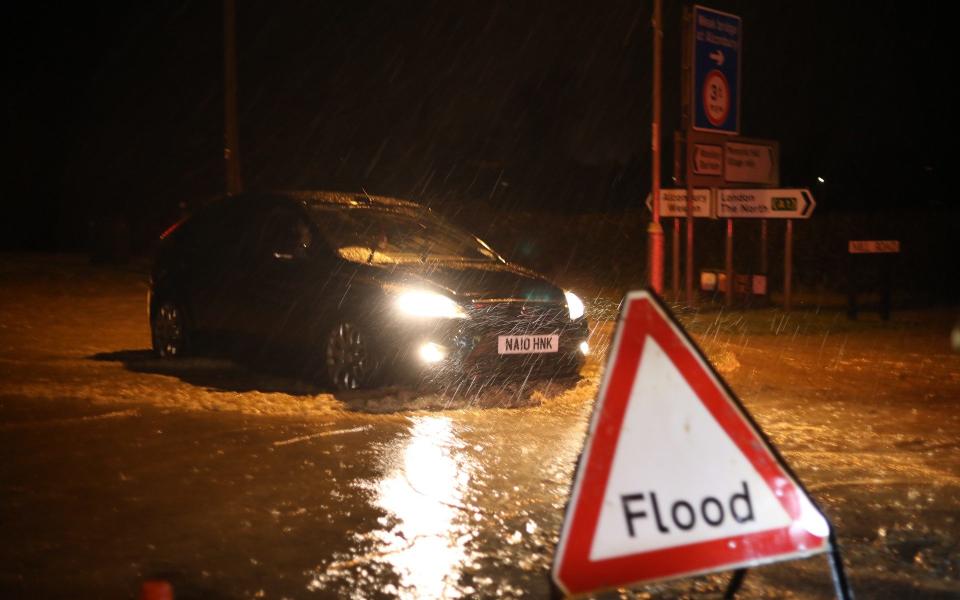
x=352 y=290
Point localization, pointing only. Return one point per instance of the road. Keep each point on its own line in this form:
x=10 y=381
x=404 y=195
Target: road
x=235 y=483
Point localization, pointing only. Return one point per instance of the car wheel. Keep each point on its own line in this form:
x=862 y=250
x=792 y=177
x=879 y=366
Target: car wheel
x=169 y=330
x=350 y=361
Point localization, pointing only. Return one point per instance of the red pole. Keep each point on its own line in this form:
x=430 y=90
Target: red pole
x=788 y=267
x=675 y=262
x=763 y=247
x=686 y=83
x=729 y=262
x=691 y=300
x=655 y=231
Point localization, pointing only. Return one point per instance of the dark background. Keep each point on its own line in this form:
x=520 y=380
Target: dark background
x=114 y=113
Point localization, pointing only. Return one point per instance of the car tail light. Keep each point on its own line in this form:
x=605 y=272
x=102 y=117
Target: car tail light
x=169 y=231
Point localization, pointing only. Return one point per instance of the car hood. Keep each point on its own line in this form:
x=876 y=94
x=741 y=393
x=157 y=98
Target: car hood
x=474 y=280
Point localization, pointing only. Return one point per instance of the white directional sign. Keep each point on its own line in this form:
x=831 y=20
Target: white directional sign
x=750 y=163
x=765 y=204
x=673 y=203
x=675 y=479
x=715 y=160
x=708 y=159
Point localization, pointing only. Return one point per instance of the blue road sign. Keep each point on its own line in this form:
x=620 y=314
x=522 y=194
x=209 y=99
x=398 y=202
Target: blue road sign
x=717 y=38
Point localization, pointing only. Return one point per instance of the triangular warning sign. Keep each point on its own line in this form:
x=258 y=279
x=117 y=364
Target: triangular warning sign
x=675 y=478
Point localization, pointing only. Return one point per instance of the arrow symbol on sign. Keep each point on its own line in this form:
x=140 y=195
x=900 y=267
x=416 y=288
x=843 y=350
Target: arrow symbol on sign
x=807 y=203
x=717 y=56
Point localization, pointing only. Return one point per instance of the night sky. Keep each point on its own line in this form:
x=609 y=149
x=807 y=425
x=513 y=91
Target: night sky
x=115 y=111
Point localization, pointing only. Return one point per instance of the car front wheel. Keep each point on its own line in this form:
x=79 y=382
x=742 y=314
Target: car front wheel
x=350 y=361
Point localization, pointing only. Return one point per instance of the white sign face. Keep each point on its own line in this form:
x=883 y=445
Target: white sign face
x=749 y=163
x=696 y=485
x=674 y=478
x=714 y=160
x=673 y=203
x=765 y=204
x=707 y=159
x=874 y=246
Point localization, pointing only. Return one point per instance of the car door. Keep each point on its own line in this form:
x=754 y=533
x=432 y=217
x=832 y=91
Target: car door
x=282 y=280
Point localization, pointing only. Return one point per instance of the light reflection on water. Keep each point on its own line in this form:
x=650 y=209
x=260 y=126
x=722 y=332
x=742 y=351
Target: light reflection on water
x=424 y=491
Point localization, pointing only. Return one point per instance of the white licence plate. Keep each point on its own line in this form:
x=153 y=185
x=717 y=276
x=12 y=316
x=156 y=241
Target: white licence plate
x=527 y=344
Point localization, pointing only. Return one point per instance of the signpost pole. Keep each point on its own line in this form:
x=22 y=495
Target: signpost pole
x=689 y=266
x=788 y=266
x=677 y=176
x=655 y=230
x=675 y=262
x=764 y=266
x=763 y=246
x=686 y=83
x=729 y=262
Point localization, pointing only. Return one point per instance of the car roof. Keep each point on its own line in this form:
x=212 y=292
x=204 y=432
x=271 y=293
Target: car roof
x=291 y=198
x=345 y=199
x=315 y=199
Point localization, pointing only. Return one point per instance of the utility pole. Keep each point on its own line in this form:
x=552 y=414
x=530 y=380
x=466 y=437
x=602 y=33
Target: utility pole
x=655 y=230
x=686 y=125
x=231 y=148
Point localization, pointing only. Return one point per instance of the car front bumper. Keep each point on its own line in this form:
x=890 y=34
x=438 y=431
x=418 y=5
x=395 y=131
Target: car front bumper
x=456 y=349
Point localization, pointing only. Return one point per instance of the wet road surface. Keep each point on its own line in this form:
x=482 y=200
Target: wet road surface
x=235 y=484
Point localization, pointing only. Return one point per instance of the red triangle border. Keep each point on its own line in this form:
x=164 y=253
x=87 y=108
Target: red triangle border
x=574 y=572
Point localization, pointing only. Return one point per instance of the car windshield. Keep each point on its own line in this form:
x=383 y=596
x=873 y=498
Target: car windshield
x=370 y=235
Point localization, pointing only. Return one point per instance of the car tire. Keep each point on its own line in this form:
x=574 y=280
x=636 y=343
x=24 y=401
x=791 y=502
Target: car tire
x=169 y=331
x=350 y=359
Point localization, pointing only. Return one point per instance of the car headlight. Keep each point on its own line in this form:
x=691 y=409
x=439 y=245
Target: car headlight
x=574 y=305
x=421 y=303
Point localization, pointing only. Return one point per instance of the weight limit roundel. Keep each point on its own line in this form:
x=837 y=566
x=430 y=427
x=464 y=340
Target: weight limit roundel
x=716 y=98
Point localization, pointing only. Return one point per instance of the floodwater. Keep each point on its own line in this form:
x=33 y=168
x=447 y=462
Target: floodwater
x=231 y=483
